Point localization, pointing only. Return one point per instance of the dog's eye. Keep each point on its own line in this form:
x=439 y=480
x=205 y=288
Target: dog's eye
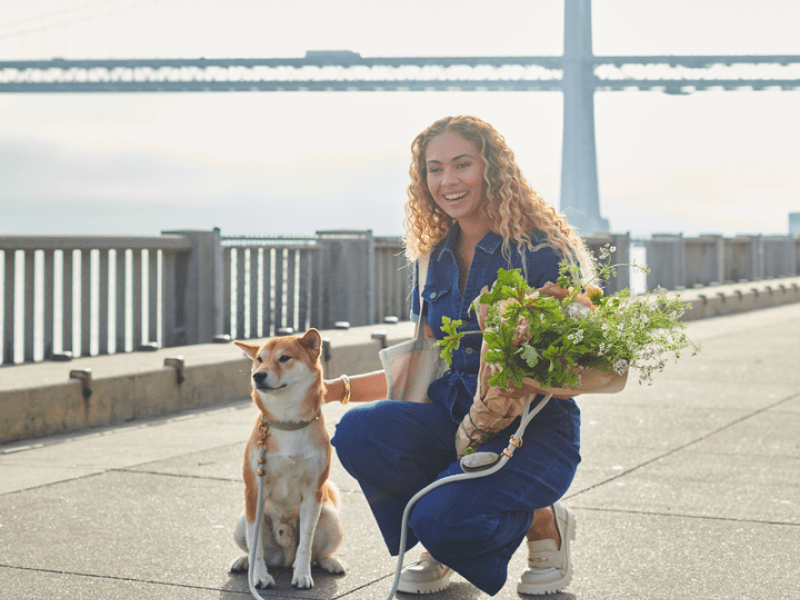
x=284 y=358
x=258 y=359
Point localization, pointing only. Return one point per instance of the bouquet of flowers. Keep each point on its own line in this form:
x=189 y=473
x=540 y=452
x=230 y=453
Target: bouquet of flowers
x=556 y=336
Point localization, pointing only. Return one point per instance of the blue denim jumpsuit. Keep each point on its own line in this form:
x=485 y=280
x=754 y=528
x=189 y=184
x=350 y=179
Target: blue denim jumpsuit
x=394 y=449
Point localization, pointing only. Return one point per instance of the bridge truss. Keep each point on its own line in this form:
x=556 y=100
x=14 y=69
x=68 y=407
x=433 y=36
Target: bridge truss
x=348 y=71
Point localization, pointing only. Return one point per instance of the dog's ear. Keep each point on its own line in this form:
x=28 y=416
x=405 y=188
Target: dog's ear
x=250 y=349
x=312 y=340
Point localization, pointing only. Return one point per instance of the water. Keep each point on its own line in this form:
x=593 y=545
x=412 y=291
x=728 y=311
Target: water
x=638 y=278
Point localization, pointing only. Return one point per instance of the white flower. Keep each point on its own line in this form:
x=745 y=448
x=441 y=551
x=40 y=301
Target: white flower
x=607 y=251
x=576 y=336
x=621 y=366
x=577 y=311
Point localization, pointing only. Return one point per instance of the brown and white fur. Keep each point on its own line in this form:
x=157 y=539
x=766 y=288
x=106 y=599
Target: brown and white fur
x=301 y=522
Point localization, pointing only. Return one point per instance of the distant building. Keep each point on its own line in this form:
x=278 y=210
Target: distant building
x=794 y=223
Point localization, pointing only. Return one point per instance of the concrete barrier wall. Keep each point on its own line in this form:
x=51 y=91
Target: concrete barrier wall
x=42 y=399
x=717 y=301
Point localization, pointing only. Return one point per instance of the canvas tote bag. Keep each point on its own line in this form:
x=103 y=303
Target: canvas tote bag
x=411 y=366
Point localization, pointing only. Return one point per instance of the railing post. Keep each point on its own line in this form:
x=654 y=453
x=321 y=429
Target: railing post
x=779 y=256
x=346 y=273
x=705 y=260
x=199 y=274
x=797 y=255
x=666 y=257
x=757 y=268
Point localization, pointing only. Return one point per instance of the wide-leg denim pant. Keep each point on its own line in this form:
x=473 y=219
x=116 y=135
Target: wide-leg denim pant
x=394 y=449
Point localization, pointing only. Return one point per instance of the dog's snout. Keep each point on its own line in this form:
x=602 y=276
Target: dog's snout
x=259 y=376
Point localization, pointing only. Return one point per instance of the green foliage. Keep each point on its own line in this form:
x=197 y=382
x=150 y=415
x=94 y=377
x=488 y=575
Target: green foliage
x=452 y=339
x=550 y=339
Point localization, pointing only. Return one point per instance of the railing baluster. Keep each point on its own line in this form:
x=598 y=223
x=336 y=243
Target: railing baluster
x=102 y=303
x=254 y=292
x=266 y=292
x=304 y=289
x=152 y=293
x=279 y=287
x=9 y=287
x=240 y=299
x=121 y=274
x=49 y=303
x=136 y=297
x=86 y=302
x=291 y=298
x=227 y=274
x=67 y=301
x=28 y=305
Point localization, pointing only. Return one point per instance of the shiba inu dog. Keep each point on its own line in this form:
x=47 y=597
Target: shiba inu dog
x=301 y=522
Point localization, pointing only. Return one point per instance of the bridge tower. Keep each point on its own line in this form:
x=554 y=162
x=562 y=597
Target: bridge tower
x=580 y=197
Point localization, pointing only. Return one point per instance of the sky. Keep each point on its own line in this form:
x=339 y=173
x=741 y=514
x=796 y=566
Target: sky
x=292 y=163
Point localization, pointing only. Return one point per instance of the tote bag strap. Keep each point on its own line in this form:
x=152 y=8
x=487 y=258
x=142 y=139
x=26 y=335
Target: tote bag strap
x=422 y=278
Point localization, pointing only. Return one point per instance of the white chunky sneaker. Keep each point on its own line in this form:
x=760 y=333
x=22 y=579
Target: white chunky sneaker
x=550 y=568
x=425 y=576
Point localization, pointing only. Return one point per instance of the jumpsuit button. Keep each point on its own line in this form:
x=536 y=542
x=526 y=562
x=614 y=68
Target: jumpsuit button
x=433 y=294
x=469 y=351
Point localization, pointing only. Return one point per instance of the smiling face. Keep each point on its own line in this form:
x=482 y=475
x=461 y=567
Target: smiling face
x=455 y=176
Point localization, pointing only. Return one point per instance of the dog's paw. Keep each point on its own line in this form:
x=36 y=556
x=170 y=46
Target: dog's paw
x=261 y=577
x=241 y=564
x=333 y=565
x=302 y=580
x=264 y=581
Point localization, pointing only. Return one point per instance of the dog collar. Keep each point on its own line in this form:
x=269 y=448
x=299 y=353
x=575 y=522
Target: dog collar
x=290 y=425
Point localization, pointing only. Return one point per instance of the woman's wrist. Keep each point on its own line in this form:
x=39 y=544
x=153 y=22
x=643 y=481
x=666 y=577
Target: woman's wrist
x=338 y=390
x=345 y=388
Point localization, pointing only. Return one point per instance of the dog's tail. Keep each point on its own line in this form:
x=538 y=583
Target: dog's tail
x=330 y=494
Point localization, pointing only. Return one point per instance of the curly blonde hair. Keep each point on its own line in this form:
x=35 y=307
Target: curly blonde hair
x=512 y=207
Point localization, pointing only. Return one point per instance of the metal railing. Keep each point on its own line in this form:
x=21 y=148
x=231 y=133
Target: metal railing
x=281 y=284
x=65 y=296
x=84 y=296
x=268 y=285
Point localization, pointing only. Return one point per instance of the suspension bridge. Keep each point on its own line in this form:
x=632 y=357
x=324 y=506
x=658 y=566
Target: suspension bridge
x=578 y=73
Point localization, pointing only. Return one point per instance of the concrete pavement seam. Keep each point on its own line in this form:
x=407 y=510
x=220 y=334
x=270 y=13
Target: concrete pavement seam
x=684 y=446
x=180 y=475
x=366 y=585
x=52 y=483
x=147 y=581
x=685 y=516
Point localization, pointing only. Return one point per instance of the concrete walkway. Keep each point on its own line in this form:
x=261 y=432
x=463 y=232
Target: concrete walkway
x=689 y=488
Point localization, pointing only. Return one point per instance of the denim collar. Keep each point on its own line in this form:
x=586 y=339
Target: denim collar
x=489 y=244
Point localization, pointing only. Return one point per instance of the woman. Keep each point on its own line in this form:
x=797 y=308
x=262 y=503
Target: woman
x=471 y=209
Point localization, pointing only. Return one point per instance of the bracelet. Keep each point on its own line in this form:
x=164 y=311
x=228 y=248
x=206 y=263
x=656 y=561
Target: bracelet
x=346 y=381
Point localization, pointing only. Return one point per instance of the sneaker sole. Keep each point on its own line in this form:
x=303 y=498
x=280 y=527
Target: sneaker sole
x=421 y=589
x=553 y=587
